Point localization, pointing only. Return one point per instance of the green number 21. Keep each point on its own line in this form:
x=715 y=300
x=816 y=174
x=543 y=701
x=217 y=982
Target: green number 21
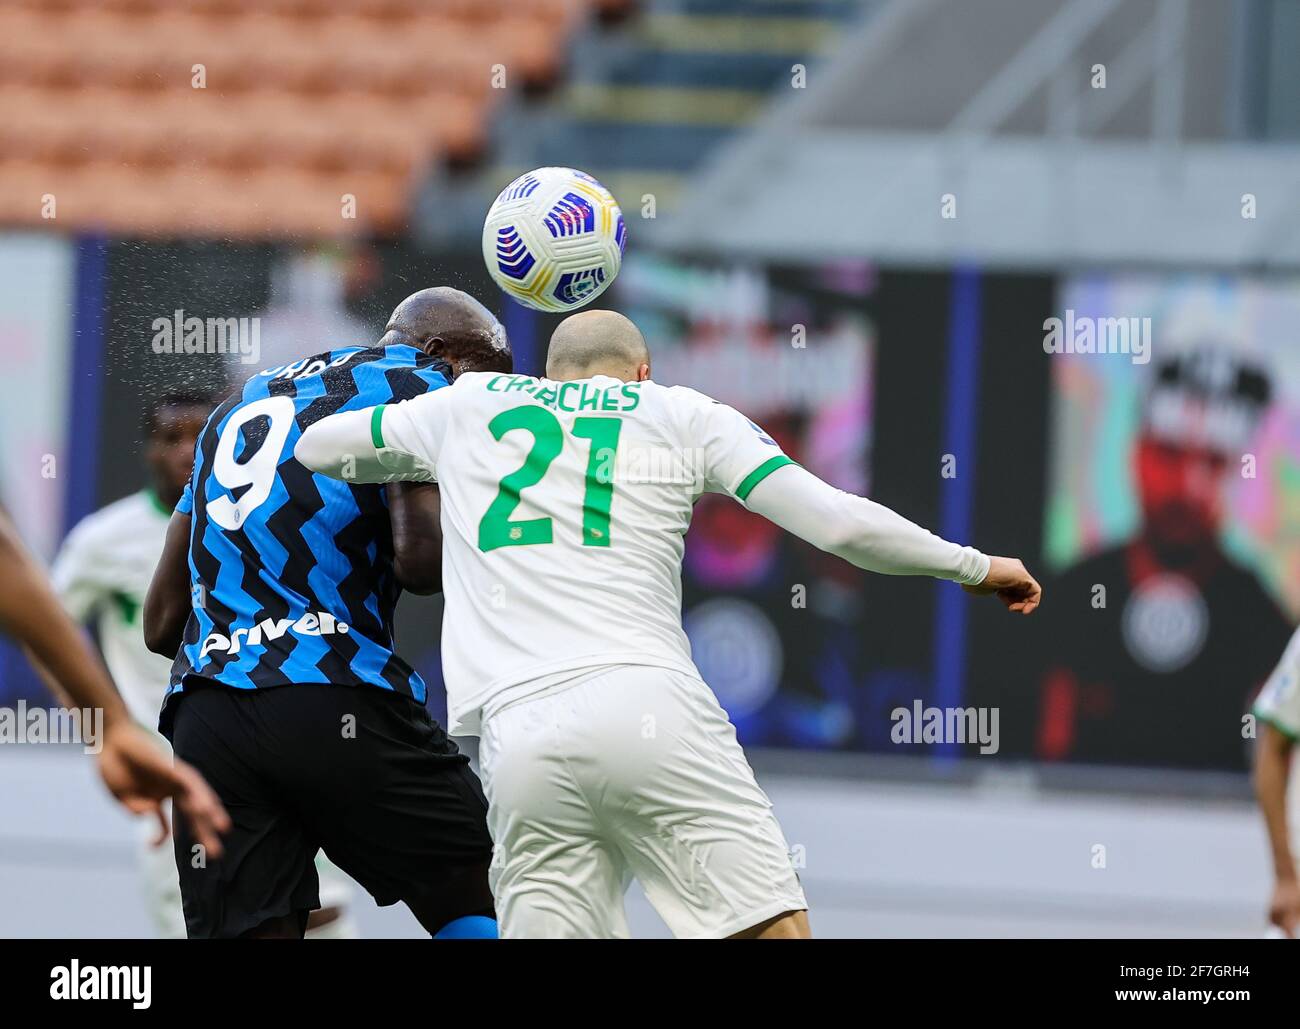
x=496 y=529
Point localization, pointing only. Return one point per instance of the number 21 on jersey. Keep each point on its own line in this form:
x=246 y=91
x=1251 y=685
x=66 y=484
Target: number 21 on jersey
x=498 y=529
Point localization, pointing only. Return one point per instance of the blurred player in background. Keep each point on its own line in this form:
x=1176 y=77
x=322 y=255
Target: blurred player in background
x=279 y=587
x=137 y=773
x=1278 y=710
x=308 y=301
x=102 y=574
x=1176 y=606
x=565 y=503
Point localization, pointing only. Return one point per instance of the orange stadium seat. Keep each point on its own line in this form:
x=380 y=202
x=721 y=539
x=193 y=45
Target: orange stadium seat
x=303 y=101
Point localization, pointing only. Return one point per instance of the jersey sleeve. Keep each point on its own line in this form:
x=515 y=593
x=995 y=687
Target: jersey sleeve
x=185 y=505
x=862 y=532
x=736 y=454
x=388 y=443
x=1278 y=703
x=75 y=576
x=409 y=435
x=424 y=376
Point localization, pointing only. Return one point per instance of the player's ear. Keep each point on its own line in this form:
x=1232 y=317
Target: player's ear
x=642 y=372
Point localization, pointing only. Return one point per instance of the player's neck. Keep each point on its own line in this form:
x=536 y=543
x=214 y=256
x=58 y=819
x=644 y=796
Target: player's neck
x=164 y=502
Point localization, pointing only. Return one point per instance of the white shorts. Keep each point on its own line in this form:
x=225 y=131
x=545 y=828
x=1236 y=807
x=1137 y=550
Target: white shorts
x=635 y=771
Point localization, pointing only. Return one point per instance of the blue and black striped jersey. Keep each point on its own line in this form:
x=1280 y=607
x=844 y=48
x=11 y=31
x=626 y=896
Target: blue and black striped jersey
x=292 y=573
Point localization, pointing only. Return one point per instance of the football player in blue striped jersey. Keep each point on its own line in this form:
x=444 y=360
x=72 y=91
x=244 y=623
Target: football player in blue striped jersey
x=276 y=593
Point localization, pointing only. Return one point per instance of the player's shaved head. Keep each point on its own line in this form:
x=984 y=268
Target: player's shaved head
x=452 y=325
x=597 y=343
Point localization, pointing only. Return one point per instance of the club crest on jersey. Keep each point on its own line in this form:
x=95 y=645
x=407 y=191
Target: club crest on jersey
x=320 y=623
x=763 y=436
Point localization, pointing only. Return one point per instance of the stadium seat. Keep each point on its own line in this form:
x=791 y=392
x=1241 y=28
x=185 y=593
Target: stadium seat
x=302 y=102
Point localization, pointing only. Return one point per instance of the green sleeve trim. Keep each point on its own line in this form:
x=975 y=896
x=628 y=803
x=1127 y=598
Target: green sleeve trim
x=760 y=473
x=156 y=503
x=1285 y=730
x=376 y=420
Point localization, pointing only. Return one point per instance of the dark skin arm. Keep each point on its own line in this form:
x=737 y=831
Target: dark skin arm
x=415 y=509
x=167 y=604
x=133 y=767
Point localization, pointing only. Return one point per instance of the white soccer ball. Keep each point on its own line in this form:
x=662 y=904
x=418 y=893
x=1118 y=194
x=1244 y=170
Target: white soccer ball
x=554 y=239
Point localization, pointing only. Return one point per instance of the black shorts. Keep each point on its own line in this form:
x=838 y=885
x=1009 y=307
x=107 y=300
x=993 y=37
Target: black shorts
x=362 y=773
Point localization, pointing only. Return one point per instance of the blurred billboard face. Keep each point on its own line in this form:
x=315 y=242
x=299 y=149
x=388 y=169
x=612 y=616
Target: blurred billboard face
x=793 y=351
x=1176 y=571
x=1181 y=491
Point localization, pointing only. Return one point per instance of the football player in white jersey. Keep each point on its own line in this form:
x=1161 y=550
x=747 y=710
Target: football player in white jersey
x=565 y=505
x=102 y=573
x=1277 y=709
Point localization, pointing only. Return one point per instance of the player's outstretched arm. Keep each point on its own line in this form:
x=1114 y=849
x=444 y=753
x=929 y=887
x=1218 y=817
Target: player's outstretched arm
x=415 y=511
x=871 y=536
x=1272 y=770
x=350 y=446
x=133 y=767
x=167 y=604
x=389 y=443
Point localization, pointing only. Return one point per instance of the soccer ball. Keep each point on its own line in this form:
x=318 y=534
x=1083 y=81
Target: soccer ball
x=554 y=239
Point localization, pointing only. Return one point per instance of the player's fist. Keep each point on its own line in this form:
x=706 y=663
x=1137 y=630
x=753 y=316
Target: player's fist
x=1011 y=582
x=1284 y=908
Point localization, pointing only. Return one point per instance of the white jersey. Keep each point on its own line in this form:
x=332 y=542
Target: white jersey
x=102 y=573
x=565 y=507
x=1279 y=701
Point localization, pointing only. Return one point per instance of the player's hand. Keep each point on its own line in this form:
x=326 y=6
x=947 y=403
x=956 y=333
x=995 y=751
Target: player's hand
x=1284 y=908
x=1011 y=582
x=141 y=776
